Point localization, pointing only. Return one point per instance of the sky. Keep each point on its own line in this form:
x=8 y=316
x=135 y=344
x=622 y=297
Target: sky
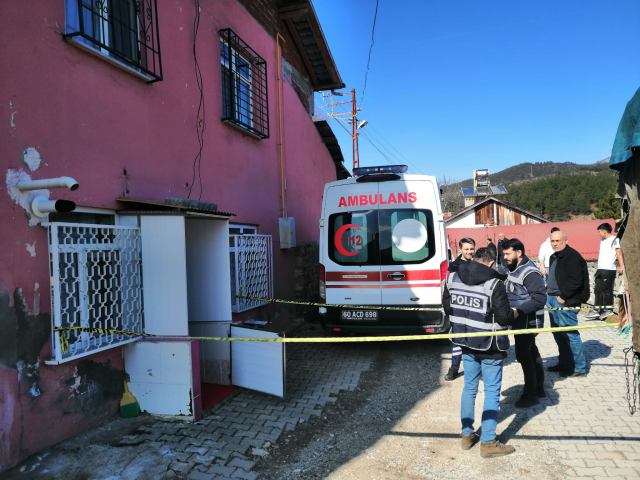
x=456 y=85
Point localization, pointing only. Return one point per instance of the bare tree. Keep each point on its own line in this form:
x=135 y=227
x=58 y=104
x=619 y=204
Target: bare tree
x=452 y=199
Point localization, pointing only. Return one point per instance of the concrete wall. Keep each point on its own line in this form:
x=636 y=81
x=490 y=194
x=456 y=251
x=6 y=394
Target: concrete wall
x=67 y=112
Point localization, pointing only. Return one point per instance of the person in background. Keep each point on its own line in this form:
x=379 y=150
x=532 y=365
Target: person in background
x=527 y=296
x=567 y=286
x=476 y=301
x=492 y=246
x=502 y=263
x=467 y=249
x=546 y=250
x=606 y=274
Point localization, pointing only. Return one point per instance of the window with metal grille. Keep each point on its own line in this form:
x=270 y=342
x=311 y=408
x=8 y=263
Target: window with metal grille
x=251 y=259
x=122 y=30
x=96 y=282
x=244 y=85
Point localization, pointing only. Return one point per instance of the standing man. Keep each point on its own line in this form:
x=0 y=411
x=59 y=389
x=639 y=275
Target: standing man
x=492 y=246
x=546 y=250
x=476 y=301
x=502 y=263
x=467 y=249
x=606 y=273
x=567 y=286
x=527 y=296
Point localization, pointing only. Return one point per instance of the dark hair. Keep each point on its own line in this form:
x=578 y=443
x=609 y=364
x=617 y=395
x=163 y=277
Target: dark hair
x=489 y=239
x=606 y=227
x=513 y=243
x=555 y=229
x=484 y=254
x=467 y=240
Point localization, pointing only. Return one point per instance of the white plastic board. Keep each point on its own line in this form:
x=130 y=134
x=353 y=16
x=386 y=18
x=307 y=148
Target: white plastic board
x=257 y=365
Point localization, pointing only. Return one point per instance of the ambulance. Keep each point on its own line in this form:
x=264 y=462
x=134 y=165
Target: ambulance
x=383 y=243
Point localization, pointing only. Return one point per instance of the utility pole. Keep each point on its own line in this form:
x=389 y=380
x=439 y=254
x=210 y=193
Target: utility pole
x=353 y=121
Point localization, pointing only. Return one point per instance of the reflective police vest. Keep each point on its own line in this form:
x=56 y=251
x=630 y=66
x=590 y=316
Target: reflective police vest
x=470 y=312
x=518 y=294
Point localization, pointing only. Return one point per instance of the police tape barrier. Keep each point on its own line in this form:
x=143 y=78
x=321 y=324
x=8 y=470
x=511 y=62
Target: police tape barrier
x=64 y=343
x=379 y=307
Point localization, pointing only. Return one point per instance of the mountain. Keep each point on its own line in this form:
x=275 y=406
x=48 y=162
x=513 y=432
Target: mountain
x=557 y=191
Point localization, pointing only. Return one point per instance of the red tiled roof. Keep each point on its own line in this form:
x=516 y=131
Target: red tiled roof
x=581 y=235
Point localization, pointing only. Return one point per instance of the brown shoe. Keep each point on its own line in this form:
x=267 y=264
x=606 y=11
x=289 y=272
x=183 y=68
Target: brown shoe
x=470 y=441
x=495 y=449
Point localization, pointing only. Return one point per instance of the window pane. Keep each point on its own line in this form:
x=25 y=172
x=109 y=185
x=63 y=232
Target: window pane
x=407 y=236
x=353 y=238
x=124 y=29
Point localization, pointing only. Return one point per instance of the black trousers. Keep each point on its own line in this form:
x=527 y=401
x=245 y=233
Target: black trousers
x=605 y=280
x=529 y=358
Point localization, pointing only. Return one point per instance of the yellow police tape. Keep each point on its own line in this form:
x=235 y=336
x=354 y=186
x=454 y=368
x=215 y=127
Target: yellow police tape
x=379 y=307
x=64 y=343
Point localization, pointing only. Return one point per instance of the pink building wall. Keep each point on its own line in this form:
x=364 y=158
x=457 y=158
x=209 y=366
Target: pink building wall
x=91 y=120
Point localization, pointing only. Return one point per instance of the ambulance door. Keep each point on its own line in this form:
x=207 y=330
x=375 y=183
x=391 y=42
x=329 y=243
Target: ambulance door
x=410 y=246
x=352 y=256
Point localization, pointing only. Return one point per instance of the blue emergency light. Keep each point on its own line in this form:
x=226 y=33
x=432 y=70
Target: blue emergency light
x=379 y=170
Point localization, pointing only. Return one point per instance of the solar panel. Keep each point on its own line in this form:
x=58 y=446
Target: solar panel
x=468 y=192
x=484 y=191
x=498 y=190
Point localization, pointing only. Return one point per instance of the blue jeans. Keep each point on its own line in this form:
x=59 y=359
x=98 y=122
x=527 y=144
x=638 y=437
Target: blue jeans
x=492 y=377
x=570 y=350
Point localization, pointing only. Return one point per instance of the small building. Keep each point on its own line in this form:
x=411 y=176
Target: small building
x=492 y=212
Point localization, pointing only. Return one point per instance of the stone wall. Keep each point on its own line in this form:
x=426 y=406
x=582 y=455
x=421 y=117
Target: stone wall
x=307 y=277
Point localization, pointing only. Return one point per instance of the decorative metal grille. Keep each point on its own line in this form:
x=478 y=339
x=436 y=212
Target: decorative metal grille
x=252 y=264
x=96 y=282
x=124 y=29
x=244 y=85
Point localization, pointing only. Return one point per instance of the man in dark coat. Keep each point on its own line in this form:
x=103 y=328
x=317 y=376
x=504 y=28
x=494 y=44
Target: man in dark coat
x=567 y=286
x=502 y=263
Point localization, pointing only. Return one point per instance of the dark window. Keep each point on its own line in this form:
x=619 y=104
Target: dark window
x=244 y=85
x=353 y=238
x=126 y=30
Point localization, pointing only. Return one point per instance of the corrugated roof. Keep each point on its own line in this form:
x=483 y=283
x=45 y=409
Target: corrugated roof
x=581 y=235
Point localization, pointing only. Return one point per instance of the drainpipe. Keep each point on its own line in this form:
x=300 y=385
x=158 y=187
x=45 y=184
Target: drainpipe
x=280 y=145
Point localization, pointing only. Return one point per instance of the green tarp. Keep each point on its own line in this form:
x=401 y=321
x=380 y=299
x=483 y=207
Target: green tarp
x=628 y=135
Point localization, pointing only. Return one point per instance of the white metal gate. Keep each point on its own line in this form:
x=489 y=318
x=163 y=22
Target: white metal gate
x=252 y=264
x=95 y=282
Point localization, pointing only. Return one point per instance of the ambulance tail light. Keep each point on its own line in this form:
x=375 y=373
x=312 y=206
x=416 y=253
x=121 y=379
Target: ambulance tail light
x=444 y=268
x=323 y=285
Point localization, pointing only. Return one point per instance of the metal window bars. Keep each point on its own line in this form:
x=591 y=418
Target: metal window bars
x=96 y=282
x=252 y=270
x=126 y=30
x=244 y=85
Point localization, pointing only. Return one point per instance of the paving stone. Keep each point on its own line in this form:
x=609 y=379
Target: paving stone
x=221 y=470
x=195 y=475
x=244 y=464
x=246 y=475
x=198 y=450
x=181 y=467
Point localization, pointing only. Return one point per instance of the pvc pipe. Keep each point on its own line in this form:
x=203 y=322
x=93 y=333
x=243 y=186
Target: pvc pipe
x=60 y=182
x=42 y=207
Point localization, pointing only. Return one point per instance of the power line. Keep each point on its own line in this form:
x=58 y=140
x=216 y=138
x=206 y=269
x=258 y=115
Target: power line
x=399 y=153
x=374 y=146
x=373 y=30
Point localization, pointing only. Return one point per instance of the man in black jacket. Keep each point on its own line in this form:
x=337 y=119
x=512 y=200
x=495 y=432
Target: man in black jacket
x=476 y=301
x=567 y=286
x=502 y=263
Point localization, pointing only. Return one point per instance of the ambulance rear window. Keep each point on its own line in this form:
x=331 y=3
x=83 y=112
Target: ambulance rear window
x=406 y=236
x=353 y=238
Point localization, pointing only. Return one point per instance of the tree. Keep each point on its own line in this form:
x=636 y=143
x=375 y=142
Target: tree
x=608 y=207
x=452 y=199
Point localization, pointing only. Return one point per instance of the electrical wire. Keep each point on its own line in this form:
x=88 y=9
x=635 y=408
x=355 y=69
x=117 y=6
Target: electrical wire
x=373 y=30
x=200 y=117
x=408 y=161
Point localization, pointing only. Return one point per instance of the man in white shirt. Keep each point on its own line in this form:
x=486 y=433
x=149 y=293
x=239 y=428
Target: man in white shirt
x=606 y=273
x=546 y=250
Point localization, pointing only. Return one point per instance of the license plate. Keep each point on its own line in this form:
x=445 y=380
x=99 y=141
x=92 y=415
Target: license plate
x=359 y=314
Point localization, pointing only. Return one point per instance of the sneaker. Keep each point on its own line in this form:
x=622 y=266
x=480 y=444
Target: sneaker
x=495 y=449
x=526 y=401
x=470 y=441
x=452 y=374
x=573 y=374
x=605 y=314
x=594 y=315
x=558 y=368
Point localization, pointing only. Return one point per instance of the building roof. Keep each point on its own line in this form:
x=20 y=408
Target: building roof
x=331 y=142
x=169 y=208
x=581 y=235
x=503 y=202
x=304 y=27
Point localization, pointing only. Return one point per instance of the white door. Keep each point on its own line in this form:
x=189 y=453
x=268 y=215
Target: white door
x=411 y=247
x=351 y=261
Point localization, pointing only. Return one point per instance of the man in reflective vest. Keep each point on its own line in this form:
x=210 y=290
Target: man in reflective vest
x=476 y=301
x=527 y=295
x=467 y=249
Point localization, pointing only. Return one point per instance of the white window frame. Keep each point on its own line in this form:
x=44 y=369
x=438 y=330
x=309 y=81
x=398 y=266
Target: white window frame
x=247 y=81
x=89 y=343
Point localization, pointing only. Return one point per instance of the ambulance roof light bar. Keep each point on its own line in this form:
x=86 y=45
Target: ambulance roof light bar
x=361 y=171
